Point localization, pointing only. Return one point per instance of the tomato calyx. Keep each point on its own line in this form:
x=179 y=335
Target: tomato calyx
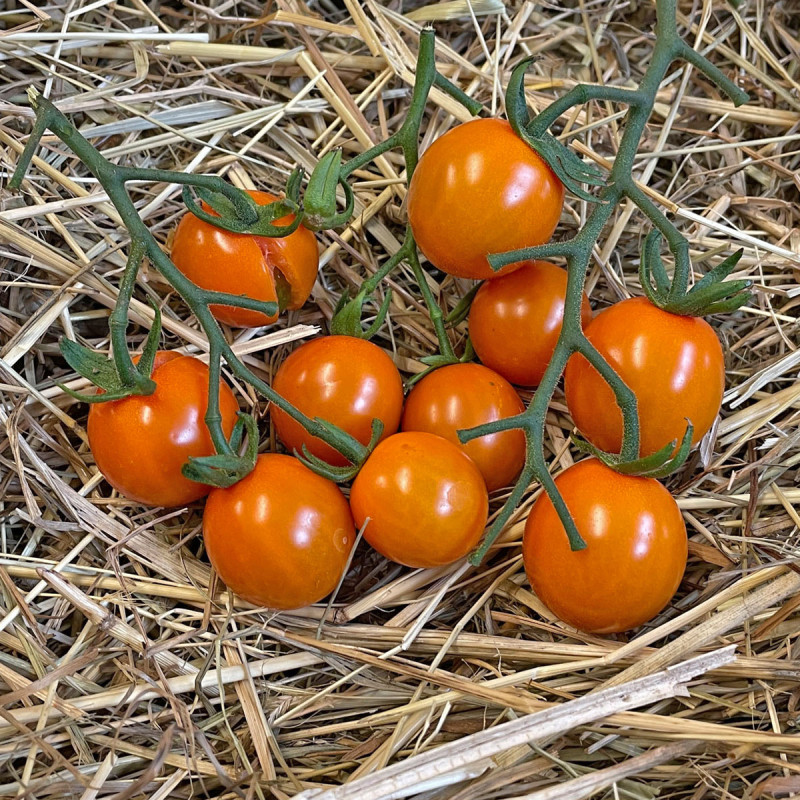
x=346 y=320
x=569 y=168
x=225 y=469
x=243 y=215
x=116 y=377
x=319 y=200
x=710 y=295
x=332 y=473
x=657 y=465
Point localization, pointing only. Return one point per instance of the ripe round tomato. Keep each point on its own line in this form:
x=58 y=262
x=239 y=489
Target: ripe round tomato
x=462 y=396
x=340 y=379
x=515 y=320
x=425 y=499
x=673 y=364
x=479 y=189
x=635 y=554
x=141 y=442
x=262 y=268
x=280 y=537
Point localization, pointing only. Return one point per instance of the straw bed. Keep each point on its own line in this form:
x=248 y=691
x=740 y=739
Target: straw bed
x=127 y=670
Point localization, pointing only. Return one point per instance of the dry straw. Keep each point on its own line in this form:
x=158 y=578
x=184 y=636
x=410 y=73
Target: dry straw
x=127 y=671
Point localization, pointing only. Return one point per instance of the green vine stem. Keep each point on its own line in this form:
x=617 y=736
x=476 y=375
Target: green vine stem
x=578 y=251
x=113 y=180
x=407 y=139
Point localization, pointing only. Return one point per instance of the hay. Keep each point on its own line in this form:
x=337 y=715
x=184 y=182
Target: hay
x=126 y=671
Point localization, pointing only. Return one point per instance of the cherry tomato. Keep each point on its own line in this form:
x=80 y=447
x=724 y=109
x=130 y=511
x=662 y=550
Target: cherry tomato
x=635 y=552
x=280 y=537
x=479 y=189
x=141 y=442
x=673 y=364
x=282 y=270
x=343 y=380
x=462 y=396
x=515 y=320
x=425 y=499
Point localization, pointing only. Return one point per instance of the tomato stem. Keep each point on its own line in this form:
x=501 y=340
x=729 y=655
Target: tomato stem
x=578 y=253
x=113 y=179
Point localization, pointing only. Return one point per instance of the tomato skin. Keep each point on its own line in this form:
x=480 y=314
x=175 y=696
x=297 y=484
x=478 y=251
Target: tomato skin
x=280 y=537
x=635 y=555
x=141 y=442
x=341 y=379
x=515 y=320
x=462 y=396
x=479 y=189
x=673 y=364
x=426 y=500
x=222 y=261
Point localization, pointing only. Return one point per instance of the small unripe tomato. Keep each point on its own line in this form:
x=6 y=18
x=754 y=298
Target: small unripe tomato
x=462 y=396
x=515 y=320
x=141 y=442
x=425 y=500
x=635 y=553
x=343 y=380
x=479 y=189
x=673 y=364
x=281 y=536
x=281 y=270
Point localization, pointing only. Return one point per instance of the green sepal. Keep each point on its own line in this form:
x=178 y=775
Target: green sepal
x=225 y=469
x=234 y=220
x=100 y=397
x=93 y=366
x=320 y=467
x=148 y=357
x=432 y=363
x=438 y=360
x=102 y=372
x=332 y=473
x=710 y=295
x=570 y=169
x=657 y=465
x=651 y=267
x=293 y=185
x=346 y=320
x=461 y=311
x=319 y=200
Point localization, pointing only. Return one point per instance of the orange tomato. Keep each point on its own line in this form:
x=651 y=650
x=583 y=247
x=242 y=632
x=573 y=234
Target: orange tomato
x=281 y=270
x=425 y=500
x=340 y=379
x=515 y=320
x=673 y=364
x=479 y=189
x=141 y=442
x=463 y=396
x=281 y=536
x=635 y=554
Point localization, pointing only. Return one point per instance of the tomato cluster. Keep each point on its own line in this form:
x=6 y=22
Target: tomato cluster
x=282 y=537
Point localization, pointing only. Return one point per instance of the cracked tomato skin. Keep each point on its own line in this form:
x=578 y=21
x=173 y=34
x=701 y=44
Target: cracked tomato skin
x=257 y=266
x=462 y=396
x=425 y=499
x=141 y=442
x=635 y=555
x=479 y=189
x=343 y=380
x=281 y=536
x=674 y=365
x=515 y=320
